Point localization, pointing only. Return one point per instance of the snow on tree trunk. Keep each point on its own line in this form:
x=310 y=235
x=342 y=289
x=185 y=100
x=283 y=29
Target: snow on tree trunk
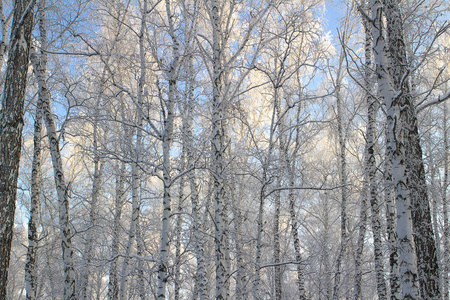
x=11 y=124
x=397 y=119
x=428 y=271
x=372 y=168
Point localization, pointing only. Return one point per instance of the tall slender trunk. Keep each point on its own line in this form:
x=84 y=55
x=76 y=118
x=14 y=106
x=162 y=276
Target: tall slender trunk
x=343 y=183
x=241 y=279
x=40 y=65
x=357 y=287
x=372 y=167
x=11 y=125
x=30 y=265
x=178 y=227
x=265 y=181
x=296 y=239
x=446 y=236
x=113 y=284
x=278 y=275
x=218 y=153
x=259 y=233
x=96 y=183
x=201 y=280
x=166 y=147
x=135 y=210
x=277 y=208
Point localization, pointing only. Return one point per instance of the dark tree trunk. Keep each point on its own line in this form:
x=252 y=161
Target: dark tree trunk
x=11 y=124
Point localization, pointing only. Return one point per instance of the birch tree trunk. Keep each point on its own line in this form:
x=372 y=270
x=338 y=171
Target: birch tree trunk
x=446 y=236
x=218 y=149
x=96 y=183
x=397 y=135
x=30 y=265
x=425 y=245
x=178 y=226
x=201 y=280
x=135 y=209
x=296 y=239
x=343 y=183
x=166 y=147
x=265 y=181
x=4 y=41
x=113 y=284
x=371 y=169
x=391 y=224
x=241 y=279
x=277 y=208
x=62 y=188
x=11 y=124
x=357 y=287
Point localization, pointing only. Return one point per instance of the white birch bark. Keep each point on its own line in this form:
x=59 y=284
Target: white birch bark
x=425 y=246
x=277 y=208
x=218 y=148
x=391 y=224
x=371 y=168
x=134 y=231
x=296 y=239
x=446 y=235
x=201 y=275
x=241 y=278
x=113 y=284
x=62 y=188
x=135 y=211
x=166 y=148
x=179 y=220
x=4 y=22
x=357 y=286
x=30 y=265
x=11 y=125
x=397 y=151
x=343 y=183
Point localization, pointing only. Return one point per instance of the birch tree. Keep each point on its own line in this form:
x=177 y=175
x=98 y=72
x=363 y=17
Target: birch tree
x=421 y=214
x=39 y=62
x=11 y=124
x=30 y=265
x=397 y=120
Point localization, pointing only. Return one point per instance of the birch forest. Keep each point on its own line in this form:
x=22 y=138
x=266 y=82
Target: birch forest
x=224 y=149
